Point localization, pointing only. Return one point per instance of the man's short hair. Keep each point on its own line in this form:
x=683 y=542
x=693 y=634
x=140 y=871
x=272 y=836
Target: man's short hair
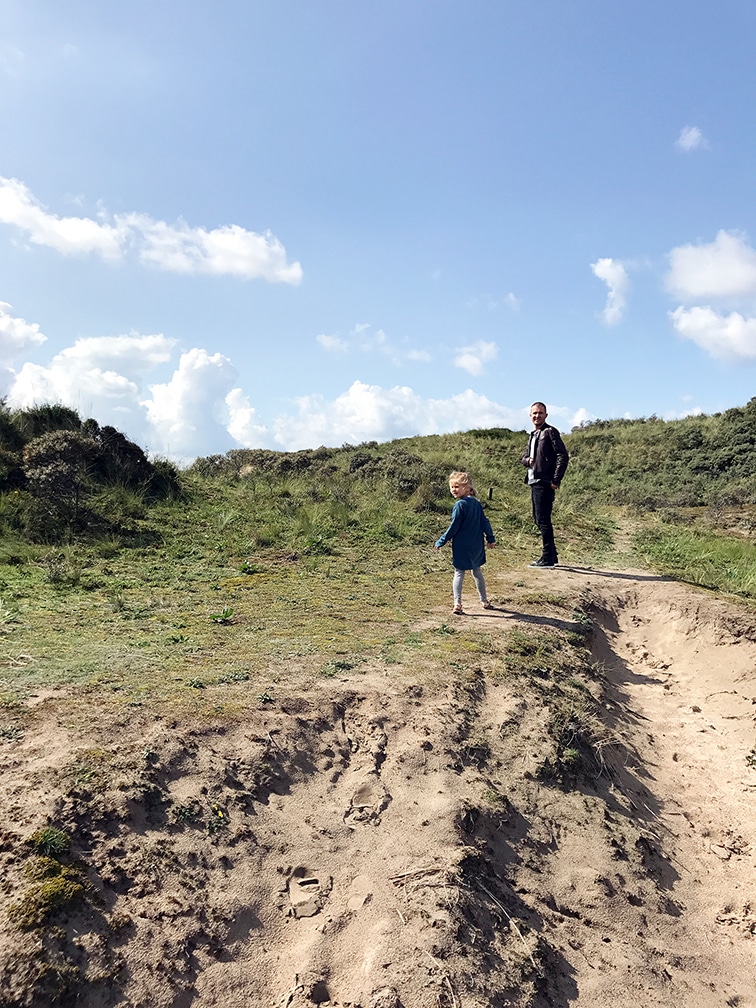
x=539 y=404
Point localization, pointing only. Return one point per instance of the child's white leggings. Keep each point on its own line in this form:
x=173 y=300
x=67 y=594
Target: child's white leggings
x=459 y=577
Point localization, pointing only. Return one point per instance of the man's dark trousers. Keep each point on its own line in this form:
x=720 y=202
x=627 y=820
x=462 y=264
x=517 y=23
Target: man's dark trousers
x=543 y=502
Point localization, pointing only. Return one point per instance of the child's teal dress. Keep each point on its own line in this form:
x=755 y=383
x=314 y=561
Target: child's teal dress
x=468 y=528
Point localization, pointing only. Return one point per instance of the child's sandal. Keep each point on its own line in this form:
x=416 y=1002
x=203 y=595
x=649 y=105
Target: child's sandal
x=487 y=605
x=458 y=610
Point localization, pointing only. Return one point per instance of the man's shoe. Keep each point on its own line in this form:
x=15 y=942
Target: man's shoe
x=544 y=563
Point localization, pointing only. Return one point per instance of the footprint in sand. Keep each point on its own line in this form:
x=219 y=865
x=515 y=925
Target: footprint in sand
x=367 y=803
x=360 y=892
x=308 y=892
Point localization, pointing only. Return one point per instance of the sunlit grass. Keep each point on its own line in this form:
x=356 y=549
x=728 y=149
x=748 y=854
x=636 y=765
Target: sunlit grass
x=693 y=554
x=323 y=572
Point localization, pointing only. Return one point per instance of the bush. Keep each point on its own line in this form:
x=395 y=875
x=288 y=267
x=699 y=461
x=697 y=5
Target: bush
x=57 y=467
x=39 y=420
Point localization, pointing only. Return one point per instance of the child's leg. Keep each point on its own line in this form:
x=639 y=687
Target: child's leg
x=480 y=583
x=459 y=577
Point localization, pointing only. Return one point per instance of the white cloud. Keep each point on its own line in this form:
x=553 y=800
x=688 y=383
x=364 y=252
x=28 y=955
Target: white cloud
x=242 y=425
x=562 y=417
x=201 y=409
x=100 y=377
x=67 y=235
x=681 y=414
x=514 y=302
x=614 y=275
x=473 y=358
x=133 y=354
x=729 y=337
x=690 y=138
x=581 y=416
x=363 y=340
x=16 y=334
x=333 y=343
x=230 y=250
x=189 y=413
x=371 y=413
x=725 y=268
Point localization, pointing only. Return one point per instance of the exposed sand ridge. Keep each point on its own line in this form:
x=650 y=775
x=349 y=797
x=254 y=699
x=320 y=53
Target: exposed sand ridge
x=384 y=843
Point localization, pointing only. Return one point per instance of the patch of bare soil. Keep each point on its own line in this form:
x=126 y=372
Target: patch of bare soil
x=374 y=842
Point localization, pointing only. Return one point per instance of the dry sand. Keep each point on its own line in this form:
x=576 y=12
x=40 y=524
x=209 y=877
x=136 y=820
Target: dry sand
x=359 y=861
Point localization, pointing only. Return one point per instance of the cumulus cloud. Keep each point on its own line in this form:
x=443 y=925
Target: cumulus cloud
x=614 y=275
x=727 y=337
x=201 y=409
x=100 y=377
x=132 y=354
x=16 y=334
x=690 y=138
x=177 y=248
x=229 y=250
x=243 y=425
x=581 y=416
x=724 y=268
x=724 y=272
x=189 y=414
x=473 y=358
x=370 y=412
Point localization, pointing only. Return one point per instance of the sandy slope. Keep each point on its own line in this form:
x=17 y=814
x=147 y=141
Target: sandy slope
x=361 y=861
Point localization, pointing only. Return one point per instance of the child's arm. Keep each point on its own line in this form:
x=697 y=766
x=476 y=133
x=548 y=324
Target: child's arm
x=456 y=521
x=488 y=531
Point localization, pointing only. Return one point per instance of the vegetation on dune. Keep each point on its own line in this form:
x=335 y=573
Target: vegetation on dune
x=695 y=462
x=123 y=575
x=63 y=477
x=689 y=485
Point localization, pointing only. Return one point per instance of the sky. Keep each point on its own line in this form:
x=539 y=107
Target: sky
x=319 y=222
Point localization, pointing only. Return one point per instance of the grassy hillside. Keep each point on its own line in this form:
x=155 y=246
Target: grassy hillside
x=688 y=484
x=133 y=576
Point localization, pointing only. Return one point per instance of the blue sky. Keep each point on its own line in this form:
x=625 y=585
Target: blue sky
x=287 y=224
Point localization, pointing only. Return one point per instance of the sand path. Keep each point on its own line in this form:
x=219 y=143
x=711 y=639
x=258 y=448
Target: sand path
x=363 y=864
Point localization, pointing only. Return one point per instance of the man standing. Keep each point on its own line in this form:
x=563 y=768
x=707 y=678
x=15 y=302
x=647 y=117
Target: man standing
x=546 y=461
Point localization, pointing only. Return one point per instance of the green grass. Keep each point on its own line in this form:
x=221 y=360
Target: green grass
x=700 y=556
x=269 y=566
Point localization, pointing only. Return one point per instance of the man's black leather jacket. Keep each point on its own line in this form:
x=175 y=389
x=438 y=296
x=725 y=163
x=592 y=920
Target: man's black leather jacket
x=551 y=456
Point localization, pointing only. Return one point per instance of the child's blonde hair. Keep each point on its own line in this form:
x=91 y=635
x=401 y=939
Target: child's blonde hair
x=465 y=479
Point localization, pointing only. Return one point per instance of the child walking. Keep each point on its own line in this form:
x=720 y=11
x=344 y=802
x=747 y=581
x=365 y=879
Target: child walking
x=467 y=531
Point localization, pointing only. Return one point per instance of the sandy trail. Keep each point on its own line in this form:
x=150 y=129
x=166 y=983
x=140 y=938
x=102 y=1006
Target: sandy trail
x=362 y=863
x=682 y=669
